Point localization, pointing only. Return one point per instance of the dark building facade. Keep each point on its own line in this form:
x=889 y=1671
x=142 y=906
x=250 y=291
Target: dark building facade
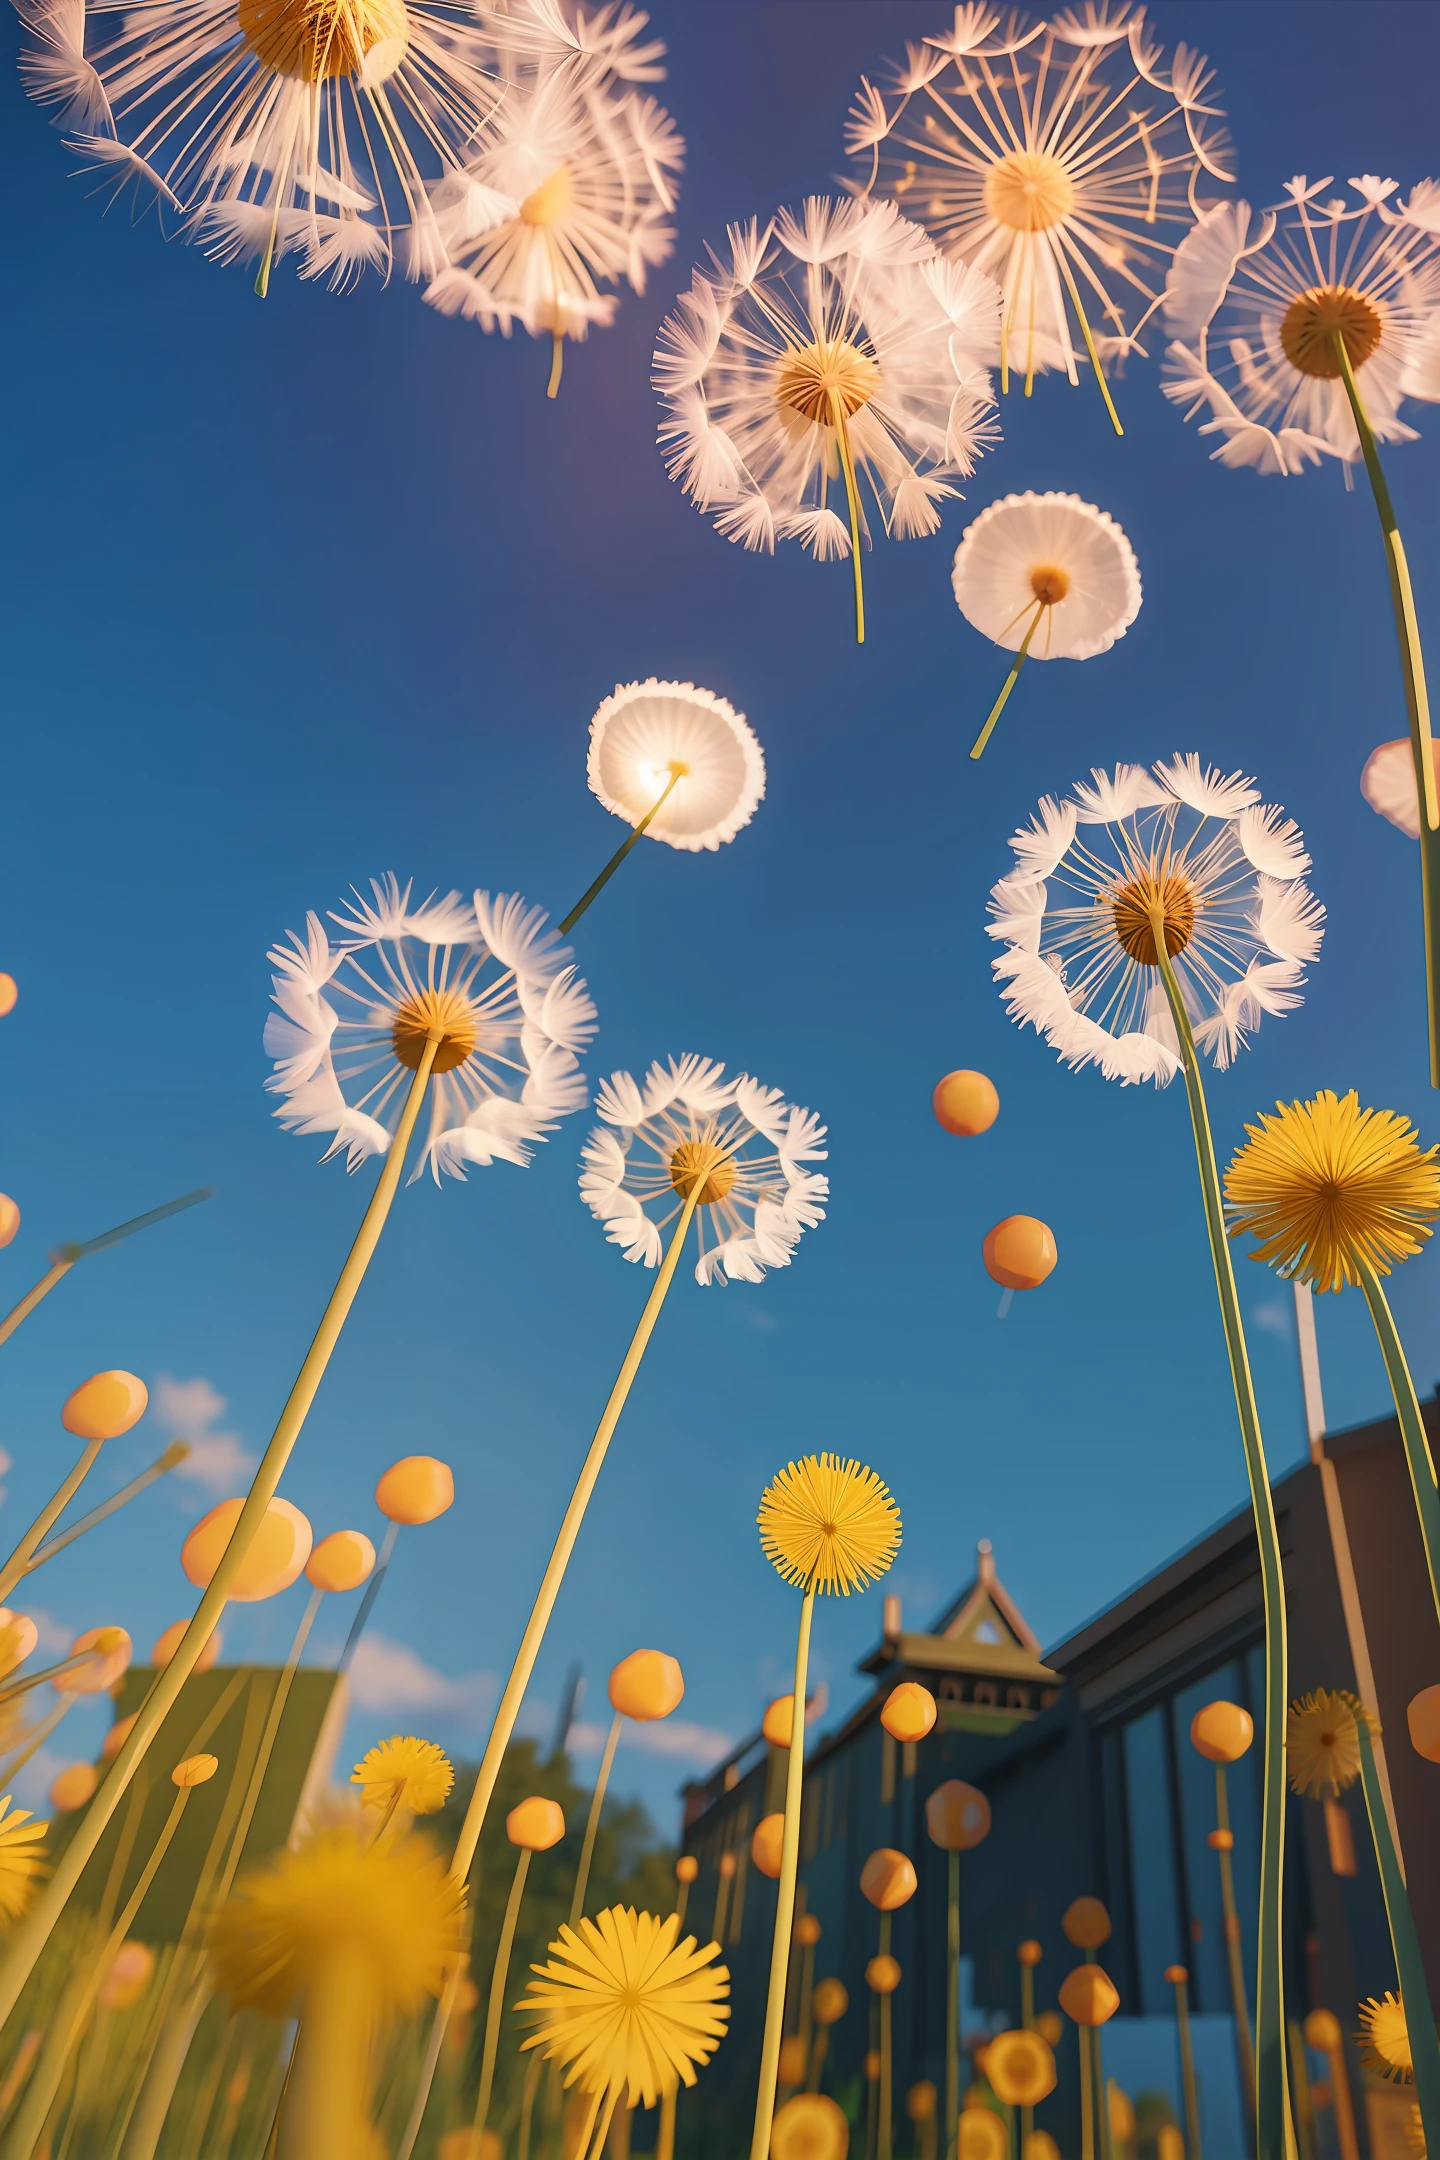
x=1095 y=1789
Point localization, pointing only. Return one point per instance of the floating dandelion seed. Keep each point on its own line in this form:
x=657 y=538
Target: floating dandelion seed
x=821 y=355
x=744 y=1142
x=355 y=1018
x=1061 y=157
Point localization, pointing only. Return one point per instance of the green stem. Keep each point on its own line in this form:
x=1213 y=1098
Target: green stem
x=30 y=1936
x=32 y=1297
x=784 y=1893
x=1412 y=1425
x=978 y=746
x=495 y=2008
x=175 y=1454
x=20 y=1560
x=592 y=1821
x=1417 y=702
x=1271 y=2082
x=1187 y=2072
x=952 y=2011
x=1409 y=1964
x=1087 y=2095
x=1244 y=2038
x=677 y=773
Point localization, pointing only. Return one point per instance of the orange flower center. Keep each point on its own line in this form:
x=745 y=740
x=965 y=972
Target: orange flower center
x=1049 y=583
x=1134 y=907
x=701 y=1160
x=1029 y=190
x=429 y=1012
x=830 y=370
x=1309 y=324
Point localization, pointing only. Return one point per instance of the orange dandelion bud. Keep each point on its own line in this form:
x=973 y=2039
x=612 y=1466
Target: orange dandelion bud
x=778 y=1721
x=728 y=1866
x=1019 y=1252
x=277 y=1554
x=1222 y=1731
x=965 y=1103
x=909 y=1711
x=812 y=2126
x=957 y=1816
x=341 y=1561
x=9 y=991
x=872 y=2065
x=807 y=1931
x=115 y=1739
x=169 y=1643
x=415 y=1490
x=1176 y=1975
x=536 y=1824
x=195 y=1770
x=829 y=2002
x=1423 y=1718
x=1029 y=1953
x=99 y=1673
x=9 y=1220
x=646 y=1685
x=1322 y=2031
x=105 y=1406
x=921 y=2101
x=74 y=1786
x=1089 y=1996
x=888 y=1879
x=982 y=2135
x=765 y=1845
x=1086 y=1923
x=687 y=1867
x=882 y=1974
x=792 y=2061
x=1020 y=2067
x=1220 y=1840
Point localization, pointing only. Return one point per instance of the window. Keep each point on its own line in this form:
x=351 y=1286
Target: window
x=1155 y=1889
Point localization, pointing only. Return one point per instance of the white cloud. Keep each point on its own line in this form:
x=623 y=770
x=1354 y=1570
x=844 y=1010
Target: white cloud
x=681 y=1738
x=53 y=1638
x=189 y=1409
x=1273 y=1318
x=389 y=1675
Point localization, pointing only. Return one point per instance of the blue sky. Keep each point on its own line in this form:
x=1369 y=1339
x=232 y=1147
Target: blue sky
x=301 y=591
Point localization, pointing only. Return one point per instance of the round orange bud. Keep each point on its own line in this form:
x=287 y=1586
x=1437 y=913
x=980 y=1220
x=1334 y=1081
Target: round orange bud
x=277 y=1554
x=921 y=2101
x=882 y=1974
x=909 y=1711
x=9 y=1220
x=169 y=1643
x=1122 y=2116
x=536 y=1824
x=195 y=1770
x=807 y=1931
x=957 y=1816
x=74 y=1786
x=888 y=1879
x=982 y=2135
x=9 y=991
x=778 y=1721
x=1220 y=1840
x=1176 y=1975
x=1051 y=2027
x=341 y=1561
x=415 y=1490
x=115 y=1739
x=646 y=1685
x=792 y=2060
x=1322 y=2032
x=1089 y=1996
x=467 y=1997
x=99 y=1673
x=1170 y=2141
x=1222 y=1731
x=105 y=1405
x=1020 y=2067
x=965 y=1103
x=829 y=2002
x=687 y=1867
x=811 y=2126
x=728 y=1865
x=765 y=1845
x=1086 y=1923
x=1423 y=1718
x=130 y=1974
x=1029 y=1953
x=1019 y=1252
x=872 y=2065
x=1039 y=2145
x=18 y=1637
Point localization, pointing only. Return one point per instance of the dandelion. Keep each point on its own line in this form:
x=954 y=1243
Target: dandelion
x=304 y=127
x=748 y=1146
x=21 y=1863
x=1045 y=559
x=1302 y=332
x=1061 y=157
x=592 y=174
x=628 y=2009
x=826 y=1526
x=404 y=1776
x=1384 y=2039
x=1322 y=1745
x=1339 y=1196
x=1151 y=916
x=820 y=352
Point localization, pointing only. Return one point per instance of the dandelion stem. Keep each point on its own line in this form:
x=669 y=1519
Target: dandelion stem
x=1417 y=702
x=784 y=1892
x=32 y=1297
x=527 y=2111
x=1087 y=2096
x=592 y=1821
x=677 y=773
x=30 y=1936
x=952 y=2010
x=557 y=364
x=665 y=2135
x=1272 y=2090
x=1409 y=1964
x=62 y=1261
x=1074 y=291
x=24 y=1553
x=852 y=498
x=1412 y=1426
x=372 y=1591
x=1230 y=1921
x=977 y=747
x=1187 y=2071
x=176 y=1453
x=495 y=2008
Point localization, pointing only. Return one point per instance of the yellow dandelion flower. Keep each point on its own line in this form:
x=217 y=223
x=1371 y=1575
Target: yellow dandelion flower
x=390 y=1912
x=626 y=2006
x=1333 y=1191
x=1384 y=2039
x=20 y=1863
x=1322 y=1746
x=829 y=1525
x=413 y=1776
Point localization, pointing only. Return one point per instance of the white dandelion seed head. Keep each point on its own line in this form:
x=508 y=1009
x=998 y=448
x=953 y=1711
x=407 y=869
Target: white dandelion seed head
x=648 y=734
x=1253 y=303
x=838 y=317
x=754 y=1148
x=356 y=1007
x=1058 y=157
x=1076 y=920
x=1051 y=555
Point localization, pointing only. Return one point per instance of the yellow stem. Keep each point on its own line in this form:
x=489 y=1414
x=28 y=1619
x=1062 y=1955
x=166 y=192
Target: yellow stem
x=324 y=2114
x=54 y=1508
x=495 y=2008
x=32 y=1298
x=557 y=363
x=785 y=1894
x=1074 y=293
x=592 y=1821
x=852 y=497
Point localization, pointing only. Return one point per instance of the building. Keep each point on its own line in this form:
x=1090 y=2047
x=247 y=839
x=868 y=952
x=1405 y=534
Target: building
x=1085 y=1758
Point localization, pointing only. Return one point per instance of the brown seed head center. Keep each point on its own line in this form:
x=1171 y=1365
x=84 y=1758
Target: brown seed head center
x=1049 y=583
x=1309 y=324
x=813 y=379
x=701 y=1160
x=548 y=203
x=1328 y=1739
x=310 y=39
x=1029 y=190
x=429 y=1012
x=1134 y=907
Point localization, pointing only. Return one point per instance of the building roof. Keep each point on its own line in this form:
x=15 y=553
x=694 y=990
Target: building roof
x=983 y=1632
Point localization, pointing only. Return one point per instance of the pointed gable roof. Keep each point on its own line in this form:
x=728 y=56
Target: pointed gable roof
x=986 y=1612
x=984 y=1632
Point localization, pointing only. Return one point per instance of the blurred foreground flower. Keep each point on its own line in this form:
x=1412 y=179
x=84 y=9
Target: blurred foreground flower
x=21 y=1861
x=404 y=1776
